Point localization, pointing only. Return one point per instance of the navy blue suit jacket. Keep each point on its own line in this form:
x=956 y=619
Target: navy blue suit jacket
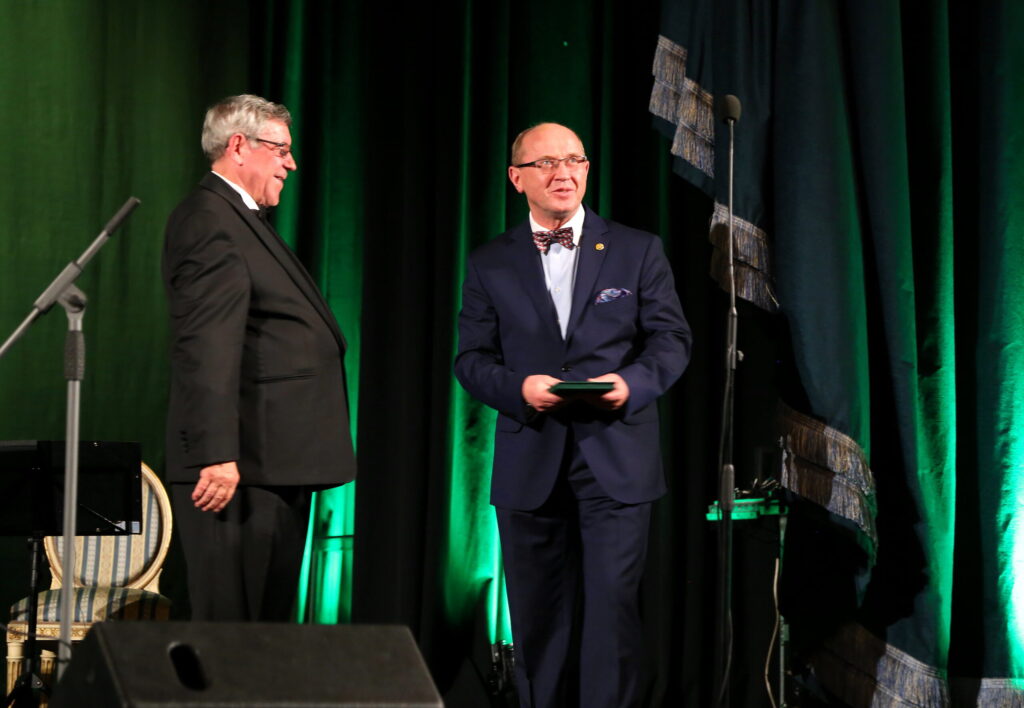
x=508 y=330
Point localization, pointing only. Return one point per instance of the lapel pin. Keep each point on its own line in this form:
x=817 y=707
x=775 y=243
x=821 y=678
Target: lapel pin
x=598 y=246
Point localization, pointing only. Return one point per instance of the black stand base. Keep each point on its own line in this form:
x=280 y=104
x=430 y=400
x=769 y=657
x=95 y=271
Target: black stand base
x=26 y=692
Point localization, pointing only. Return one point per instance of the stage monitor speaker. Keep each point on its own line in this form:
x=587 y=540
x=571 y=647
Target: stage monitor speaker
x=226 y=664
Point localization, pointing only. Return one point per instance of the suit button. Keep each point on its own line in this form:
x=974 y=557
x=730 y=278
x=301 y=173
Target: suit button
x=566 y=368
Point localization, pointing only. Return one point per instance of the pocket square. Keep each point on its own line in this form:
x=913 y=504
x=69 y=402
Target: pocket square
x=609 y=294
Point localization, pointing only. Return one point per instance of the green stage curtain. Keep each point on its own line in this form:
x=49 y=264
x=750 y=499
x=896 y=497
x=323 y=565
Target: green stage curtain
x=889 y=193
x=402 y=125
x=100 y=101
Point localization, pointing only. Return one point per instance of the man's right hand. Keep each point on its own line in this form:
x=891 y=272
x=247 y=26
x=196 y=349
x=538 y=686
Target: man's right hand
x=216 y=486
x=537 y=395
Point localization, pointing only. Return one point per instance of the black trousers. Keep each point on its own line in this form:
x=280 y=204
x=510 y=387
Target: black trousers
x=244 y=561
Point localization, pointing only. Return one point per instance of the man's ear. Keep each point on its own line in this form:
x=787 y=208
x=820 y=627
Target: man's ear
x=235 y=146
x=515 y=177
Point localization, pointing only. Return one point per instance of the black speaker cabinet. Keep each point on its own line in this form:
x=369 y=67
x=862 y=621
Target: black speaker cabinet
x=142 y=664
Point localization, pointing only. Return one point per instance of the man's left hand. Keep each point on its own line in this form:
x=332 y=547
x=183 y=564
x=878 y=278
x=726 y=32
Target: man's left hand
x=216 y=486
x=614 y=399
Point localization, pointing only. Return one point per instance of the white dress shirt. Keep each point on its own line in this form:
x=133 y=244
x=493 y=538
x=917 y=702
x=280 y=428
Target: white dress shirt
x=560 y=268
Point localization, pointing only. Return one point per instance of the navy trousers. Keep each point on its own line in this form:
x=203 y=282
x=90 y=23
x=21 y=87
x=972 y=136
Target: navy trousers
x=573 y=568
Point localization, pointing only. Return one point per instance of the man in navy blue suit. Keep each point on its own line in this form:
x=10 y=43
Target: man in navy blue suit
x=568 y=296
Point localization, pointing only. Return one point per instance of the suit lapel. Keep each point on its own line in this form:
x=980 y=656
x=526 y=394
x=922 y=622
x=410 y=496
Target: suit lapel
x=593 y=247
x=526 y=262
x=279 y=250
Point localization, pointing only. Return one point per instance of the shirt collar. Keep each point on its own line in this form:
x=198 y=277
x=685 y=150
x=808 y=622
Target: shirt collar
x=249 y=201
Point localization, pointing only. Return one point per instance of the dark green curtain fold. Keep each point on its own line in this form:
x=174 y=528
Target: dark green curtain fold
x=891 y=203
x=988 y=179
x=845 y=219
x=310 y=57
x=887 y=115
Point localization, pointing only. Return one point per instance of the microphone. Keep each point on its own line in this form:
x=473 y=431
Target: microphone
x=729 y=109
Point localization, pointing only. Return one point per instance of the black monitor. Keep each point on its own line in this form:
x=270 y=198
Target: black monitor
x=32 y=488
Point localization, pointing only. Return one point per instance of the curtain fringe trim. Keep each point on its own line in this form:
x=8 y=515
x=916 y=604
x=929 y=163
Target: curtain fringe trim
x=753 y=260
x=829 y=468
x=683 y=103
x=1005 y=692
x=751 y=284
x=750 y=242
x=863 y=670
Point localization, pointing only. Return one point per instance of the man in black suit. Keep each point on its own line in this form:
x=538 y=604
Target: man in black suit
x=258 y=414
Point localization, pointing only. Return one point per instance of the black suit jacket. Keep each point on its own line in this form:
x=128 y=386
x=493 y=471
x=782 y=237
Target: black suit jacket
x=256 y=355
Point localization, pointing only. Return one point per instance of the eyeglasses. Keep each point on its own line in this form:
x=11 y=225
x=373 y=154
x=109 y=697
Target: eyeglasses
x=282 y=149
x=550 y=164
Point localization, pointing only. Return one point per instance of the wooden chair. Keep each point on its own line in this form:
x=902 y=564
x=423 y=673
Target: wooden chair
x=115 y=578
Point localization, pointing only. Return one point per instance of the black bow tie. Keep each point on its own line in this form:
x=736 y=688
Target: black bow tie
x=263 y=213
x=544 y=239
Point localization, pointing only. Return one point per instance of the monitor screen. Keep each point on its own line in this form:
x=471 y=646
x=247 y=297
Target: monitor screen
x=32 y=488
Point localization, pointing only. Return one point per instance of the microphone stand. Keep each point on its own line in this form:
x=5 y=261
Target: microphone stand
x=63 y=291
x=727 y=473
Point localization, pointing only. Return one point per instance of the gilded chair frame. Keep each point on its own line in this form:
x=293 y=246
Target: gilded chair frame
x=48 y=632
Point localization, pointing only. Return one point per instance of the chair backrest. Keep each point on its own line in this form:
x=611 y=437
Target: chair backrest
x=130 y=561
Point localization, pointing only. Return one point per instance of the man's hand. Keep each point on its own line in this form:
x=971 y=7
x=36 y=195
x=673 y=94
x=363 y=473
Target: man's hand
x=614 y=399
x=537 y=395
x=216 y=486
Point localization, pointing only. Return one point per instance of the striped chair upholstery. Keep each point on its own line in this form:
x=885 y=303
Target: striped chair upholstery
x=95 y=604
x=115 y=578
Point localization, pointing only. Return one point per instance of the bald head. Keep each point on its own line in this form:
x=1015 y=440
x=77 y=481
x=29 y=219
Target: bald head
x=517 y=144
x=553 y=190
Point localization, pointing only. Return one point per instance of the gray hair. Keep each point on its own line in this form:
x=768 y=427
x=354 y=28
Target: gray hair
x=245 y=114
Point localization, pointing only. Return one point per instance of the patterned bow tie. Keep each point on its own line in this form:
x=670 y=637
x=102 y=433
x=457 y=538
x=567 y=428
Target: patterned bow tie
x=544 y=239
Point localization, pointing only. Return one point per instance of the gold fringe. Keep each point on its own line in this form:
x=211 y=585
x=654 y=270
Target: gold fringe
x=669 y=63
x=695 y=132
x=829 y=468
x=1003 y=692
x=752 y=285
x=862 y=670
x=750 y=243
x=683 y=103
x=669 y=75
x=753 y=260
